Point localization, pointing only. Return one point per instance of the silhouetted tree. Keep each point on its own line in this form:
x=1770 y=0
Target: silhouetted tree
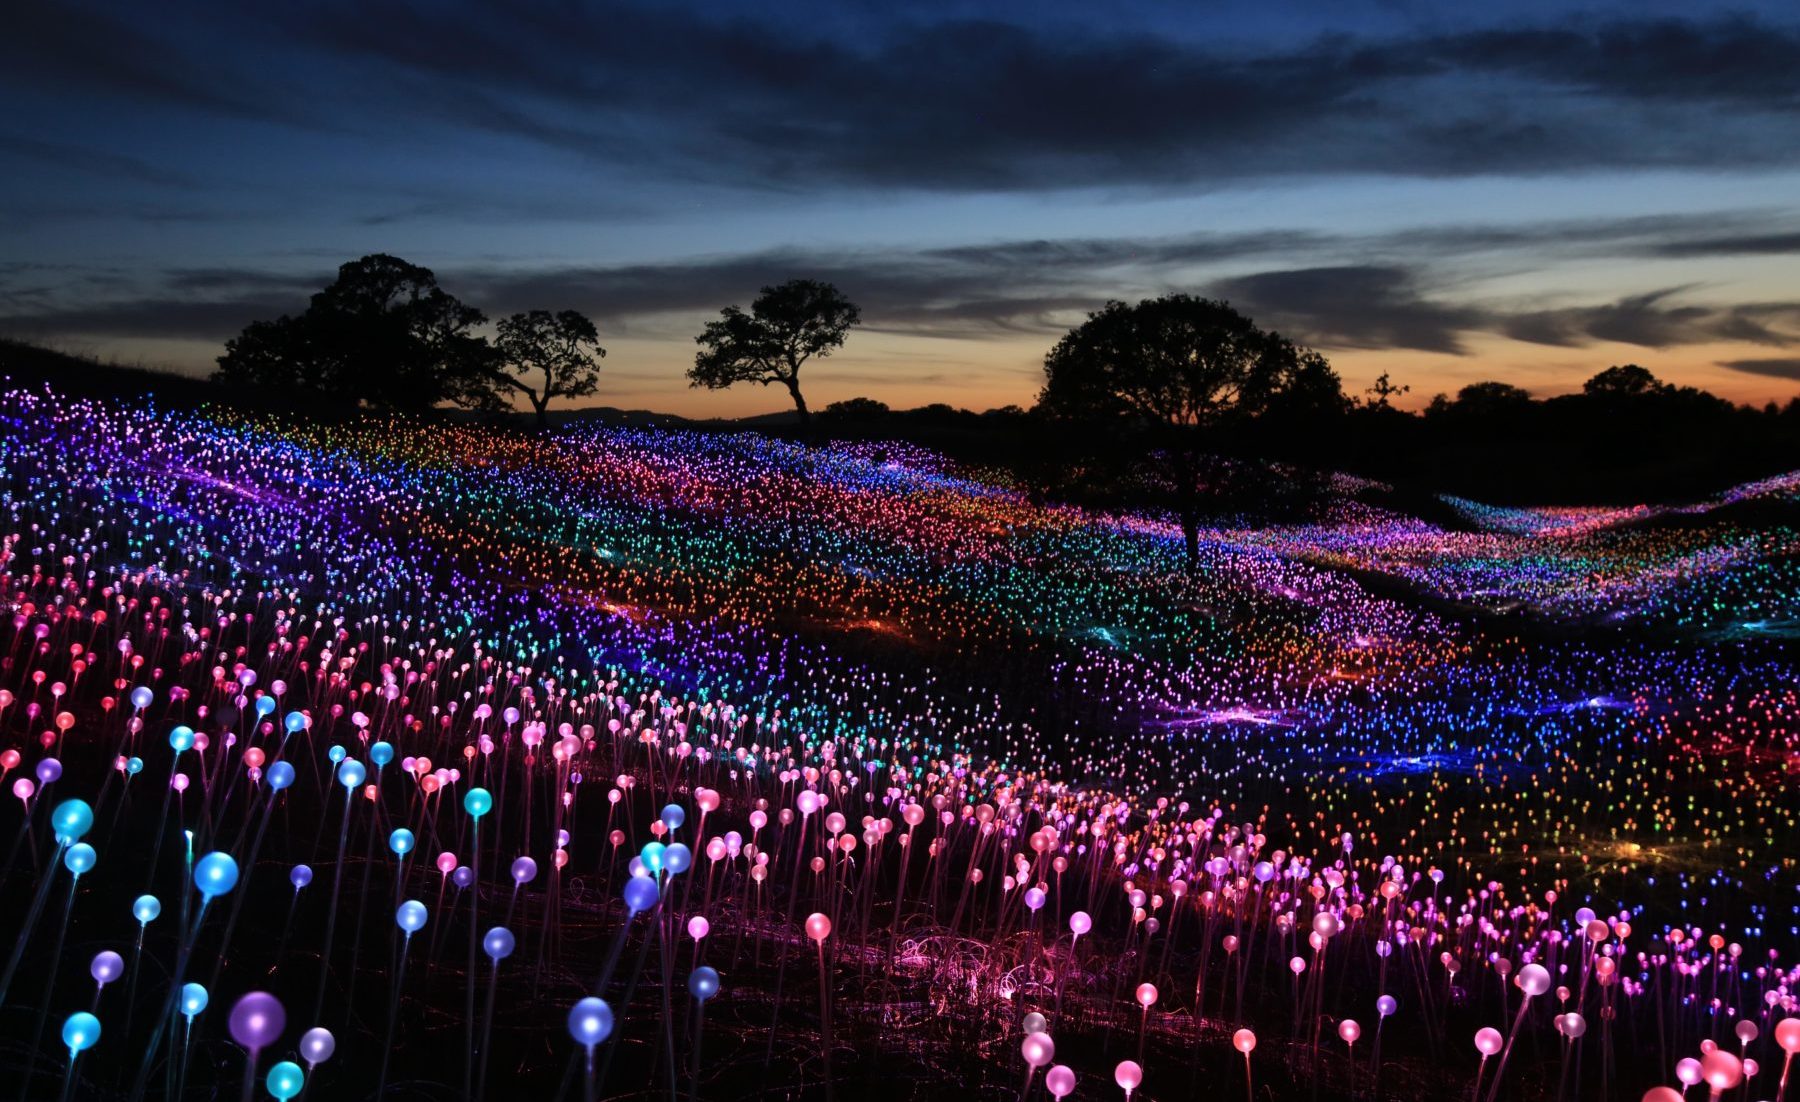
x=1381 y=395
x=856 y=409
x=1623 y=381
x=563 y=349
x=1492 y=395
x=1180 y=369
x=383 y=333
x=787 y=325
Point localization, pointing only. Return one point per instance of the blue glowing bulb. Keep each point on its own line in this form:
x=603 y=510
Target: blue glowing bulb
x=703 y=983
x=652 y=856
x=640 y=894
x=79 y=858
x=286 y=1080
x=71 y=820
x=193 y=999
x=590 y=1021
x=411 y=916
x=498 y=943
x=281 y=775
x=477 y=802
x=215 y=874
x=80 y=1031
x=145 y=908
x=401 y=842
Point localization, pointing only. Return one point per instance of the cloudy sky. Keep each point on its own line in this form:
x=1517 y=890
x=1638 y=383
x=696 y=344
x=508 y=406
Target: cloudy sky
x=1451 y=192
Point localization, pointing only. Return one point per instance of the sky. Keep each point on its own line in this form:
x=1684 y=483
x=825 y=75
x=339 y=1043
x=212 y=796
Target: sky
x=1514 y=190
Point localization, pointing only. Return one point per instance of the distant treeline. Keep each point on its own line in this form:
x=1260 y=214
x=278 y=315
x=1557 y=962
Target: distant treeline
x=1625 y=438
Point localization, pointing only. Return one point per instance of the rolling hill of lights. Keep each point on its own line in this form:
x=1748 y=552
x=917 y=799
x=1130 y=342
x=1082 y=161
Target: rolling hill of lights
x=1448 y=748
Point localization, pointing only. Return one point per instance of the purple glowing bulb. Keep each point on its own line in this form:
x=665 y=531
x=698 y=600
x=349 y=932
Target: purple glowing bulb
x=257 y=1020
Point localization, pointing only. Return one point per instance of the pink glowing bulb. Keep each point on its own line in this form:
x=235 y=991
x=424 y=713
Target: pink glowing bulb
x=1146 y=995
x=1349 y=1030
x=1080 y=923
x=1244 y=1041
x=818 y=927
x=1533 y=979
x=1128 y=1075
x=1038 y=1049
x=1662 y=1094
x=1721 y=1070
x=1787 y=1035
x=1060 y=1081
x=1688 y=1071
x=698 y=927
x=1488 y=1041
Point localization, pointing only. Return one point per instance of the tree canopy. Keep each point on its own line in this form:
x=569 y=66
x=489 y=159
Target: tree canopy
x=1178 y=370
x=561 y=351
x=382 y=334
x=788 y=325
x=1623 y=381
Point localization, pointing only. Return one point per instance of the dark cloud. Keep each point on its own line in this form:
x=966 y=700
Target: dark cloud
x=907 y=292
x=1000 y=289
x=987 y=105
x=951 y=104
x=1741 y=244
x=90 y=49
x=159 y=317
x=1781 y=368
x=94 y=161
x=1353 y=306
x=198 y=281
x=1728 y=59
x=1654 y=320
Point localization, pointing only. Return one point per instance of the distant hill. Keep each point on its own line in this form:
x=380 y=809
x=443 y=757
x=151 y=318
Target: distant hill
x=90 y=377
x=1570 y=450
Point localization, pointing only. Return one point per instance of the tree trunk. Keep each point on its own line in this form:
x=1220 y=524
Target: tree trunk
x=1187 y=504
x=542 y=405
x=800 y=407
